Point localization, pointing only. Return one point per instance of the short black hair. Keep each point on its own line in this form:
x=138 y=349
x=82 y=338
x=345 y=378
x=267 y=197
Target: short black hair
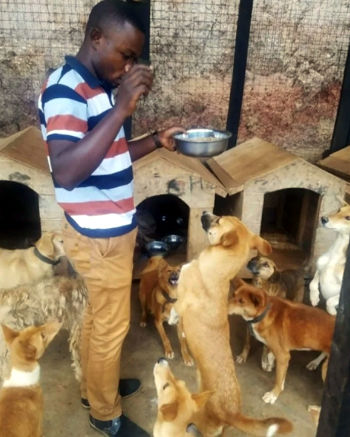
x=116 y=11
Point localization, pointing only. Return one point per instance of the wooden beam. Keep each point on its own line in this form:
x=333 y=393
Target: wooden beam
x=335 y=412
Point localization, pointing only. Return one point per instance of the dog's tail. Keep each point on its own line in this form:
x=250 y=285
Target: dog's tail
x=262 y=428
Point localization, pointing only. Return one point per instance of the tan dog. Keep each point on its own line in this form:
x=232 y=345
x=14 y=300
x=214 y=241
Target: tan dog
x=330 y=266
x=157 y=295
x=21 y=398
x=287 y=284
x=283 y=326
x=21 y=266
x=202 y=304
x=176 y=405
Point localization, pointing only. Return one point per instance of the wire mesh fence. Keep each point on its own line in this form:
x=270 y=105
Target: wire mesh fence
x=297 y=53
x=296 y=60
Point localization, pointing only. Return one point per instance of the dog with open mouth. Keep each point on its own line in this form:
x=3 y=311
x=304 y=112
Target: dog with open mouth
x=177 y=406
x=157 y=295
x=202 y=305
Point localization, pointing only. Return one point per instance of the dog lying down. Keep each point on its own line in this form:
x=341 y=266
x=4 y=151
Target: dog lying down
x=21 y=266
x=202 y=305
x=21 y=398
x=283 y=326
x=157 y=295
x=58 y=297
x=176 y=404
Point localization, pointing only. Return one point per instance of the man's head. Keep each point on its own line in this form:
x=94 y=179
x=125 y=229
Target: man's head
x=115 y=36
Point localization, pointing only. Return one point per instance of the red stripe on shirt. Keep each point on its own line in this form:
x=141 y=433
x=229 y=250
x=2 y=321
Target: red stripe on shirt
x=99 y=208
x=85 y=91
x=66 y=122
x=117 y=148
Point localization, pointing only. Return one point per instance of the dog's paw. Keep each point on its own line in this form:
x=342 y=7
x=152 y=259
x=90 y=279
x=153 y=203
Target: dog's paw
x=143 y=324
x=269 y=397
x=331 y=309
x=241 y=359
x=169 y=355
x=188 y=361
x=314 y=298
x=312 y=365
x=266 y=366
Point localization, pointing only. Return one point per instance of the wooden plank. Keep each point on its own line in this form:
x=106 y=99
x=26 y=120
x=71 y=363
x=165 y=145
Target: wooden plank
x=185 y=162
x=28 y=147
x=338 y=163
x=252 y=159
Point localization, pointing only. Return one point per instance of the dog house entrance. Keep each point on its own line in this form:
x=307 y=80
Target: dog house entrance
x=19 y=216
x=289 y=219
x=159 y=217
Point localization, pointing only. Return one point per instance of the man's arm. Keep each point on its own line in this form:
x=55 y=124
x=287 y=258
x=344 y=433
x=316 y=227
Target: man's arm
x=73 y=162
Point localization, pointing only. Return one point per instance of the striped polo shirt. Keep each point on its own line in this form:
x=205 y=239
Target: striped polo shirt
x=71 y=103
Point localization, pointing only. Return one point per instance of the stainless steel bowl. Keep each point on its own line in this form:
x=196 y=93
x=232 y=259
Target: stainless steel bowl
x=202 y=143
x=173 y=241
x=157 y=248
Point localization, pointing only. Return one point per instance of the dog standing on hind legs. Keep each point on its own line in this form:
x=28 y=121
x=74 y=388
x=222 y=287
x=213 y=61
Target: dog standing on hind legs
x=202 y=305
x=21 y=398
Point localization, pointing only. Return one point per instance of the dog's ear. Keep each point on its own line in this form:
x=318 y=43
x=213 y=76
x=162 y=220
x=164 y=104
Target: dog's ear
x=49 y=330
x=202 y=398
x=255 y=298
x=9 y=334
x=45 y=244
x=169 y=411
x=263 y=246
x=238 y=282
x=229 y=239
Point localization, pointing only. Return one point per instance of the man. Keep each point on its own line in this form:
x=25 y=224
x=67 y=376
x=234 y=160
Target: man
x=90 y=161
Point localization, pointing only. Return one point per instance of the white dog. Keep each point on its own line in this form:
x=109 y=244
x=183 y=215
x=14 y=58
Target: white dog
x=330 y=266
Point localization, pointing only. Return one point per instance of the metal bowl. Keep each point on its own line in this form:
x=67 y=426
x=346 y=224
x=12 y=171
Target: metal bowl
x=157 y=248
x=173 y=241
x=202 y=142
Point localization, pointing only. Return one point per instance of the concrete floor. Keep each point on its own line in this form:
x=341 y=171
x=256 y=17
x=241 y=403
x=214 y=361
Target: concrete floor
x=64 y=416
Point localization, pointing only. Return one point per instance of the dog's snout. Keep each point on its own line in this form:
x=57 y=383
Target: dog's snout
x=252 y=265
x=324 y=220
x=173 y=278
x=206 y=220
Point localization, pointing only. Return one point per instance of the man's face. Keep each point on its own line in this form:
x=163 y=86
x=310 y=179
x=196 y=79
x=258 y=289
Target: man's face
x=115 y=52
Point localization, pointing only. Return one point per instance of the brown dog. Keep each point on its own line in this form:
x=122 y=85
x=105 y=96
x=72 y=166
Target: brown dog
x=283 y=326
x=287 y=284
x=202 y=304
x=21 y=398
x=22 y=266
x=157 y=295
x=176 y=405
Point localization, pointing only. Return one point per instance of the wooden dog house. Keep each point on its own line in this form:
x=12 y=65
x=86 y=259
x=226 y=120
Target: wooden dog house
x=166 y=173
x=279 y=195
x=26 y=189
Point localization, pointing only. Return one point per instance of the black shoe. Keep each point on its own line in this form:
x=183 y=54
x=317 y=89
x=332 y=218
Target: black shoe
x=118 y=427
x=127 y=387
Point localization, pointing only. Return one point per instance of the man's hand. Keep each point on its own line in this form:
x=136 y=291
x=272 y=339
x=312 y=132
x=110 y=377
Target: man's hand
x=135 y=83
x=166 y=137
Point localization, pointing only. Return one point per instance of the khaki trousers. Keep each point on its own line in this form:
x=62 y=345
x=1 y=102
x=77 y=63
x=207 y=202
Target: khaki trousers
x=106 y=266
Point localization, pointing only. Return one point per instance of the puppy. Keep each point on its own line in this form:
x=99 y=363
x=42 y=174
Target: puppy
x=21 y=398
x=21 y=266
x=330 y=266
x=287 y=284
x=202 y=305
x=157 y=295
x=176 y=405
x=283 y=326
